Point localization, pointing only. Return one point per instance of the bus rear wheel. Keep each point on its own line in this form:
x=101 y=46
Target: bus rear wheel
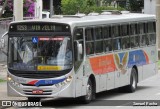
x=133 y=81
x=34 y=99
x=90 y=93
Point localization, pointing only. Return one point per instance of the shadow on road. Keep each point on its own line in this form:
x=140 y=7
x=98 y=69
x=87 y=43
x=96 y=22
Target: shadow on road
x=71 y=102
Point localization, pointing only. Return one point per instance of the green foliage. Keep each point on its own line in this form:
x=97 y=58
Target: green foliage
x=136 y=5
x=1 y=80
x=71 y=7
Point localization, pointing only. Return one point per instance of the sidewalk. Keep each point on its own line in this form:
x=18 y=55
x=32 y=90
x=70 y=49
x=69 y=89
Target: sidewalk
x=3 y=71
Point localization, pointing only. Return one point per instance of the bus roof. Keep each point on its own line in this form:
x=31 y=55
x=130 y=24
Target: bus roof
x=96 y=19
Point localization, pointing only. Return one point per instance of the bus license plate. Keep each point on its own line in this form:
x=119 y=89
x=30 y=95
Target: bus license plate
x=37 y=92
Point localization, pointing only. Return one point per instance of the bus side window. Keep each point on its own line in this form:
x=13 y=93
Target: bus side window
x=108 y=45
x=142 y=33
x=152 y=33
x=117 y=37
x=134 y=35
x=116 y=31
x=89 y=41
x=98 y=33
x=117 y=43
x=98 y=40
x=107 y=32
x=78 y=36
x=125 y=36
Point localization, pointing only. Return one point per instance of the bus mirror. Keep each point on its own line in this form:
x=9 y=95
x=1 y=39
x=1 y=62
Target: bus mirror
x=2 y=44
x=78 y=50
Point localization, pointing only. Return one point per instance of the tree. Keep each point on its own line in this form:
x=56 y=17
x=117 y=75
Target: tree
x=3 y=8
x=136 y=5
x=29 y=6
x=72 y=6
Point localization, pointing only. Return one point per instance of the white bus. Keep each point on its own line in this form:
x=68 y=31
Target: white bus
x=71 y=56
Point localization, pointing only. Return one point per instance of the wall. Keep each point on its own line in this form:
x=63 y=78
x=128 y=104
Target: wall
x=150 y=6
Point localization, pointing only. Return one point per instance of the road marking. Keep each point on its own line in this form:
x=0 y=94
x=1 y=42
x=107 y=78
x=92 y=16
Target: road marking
x=158 y=94
x=119 y=106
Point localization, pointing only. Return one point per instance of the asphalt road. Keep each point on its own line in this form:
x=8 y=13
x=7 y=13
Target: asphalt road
x=148 y=89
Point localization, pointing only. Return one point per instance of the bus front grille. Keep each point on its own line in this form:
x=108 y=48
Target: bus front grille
x=29 y=92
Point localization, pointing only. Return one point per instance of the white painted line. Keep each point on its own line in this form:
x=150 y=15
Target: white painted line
x=158 y=94
x=119 y=106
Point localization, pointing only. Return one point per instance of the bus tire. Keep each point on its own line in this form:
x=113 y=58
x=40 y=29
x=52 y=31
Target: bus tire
x=133 y=81
x=90 y=93
x=34 y=99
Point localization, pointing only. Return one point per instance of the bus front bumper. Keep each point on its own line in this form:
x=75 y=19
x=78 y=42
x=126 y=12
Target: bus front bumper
x=55 y=90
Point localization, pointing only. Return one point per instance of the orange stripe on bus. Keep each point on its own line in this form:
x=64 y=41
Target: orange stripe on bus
x=103 y=64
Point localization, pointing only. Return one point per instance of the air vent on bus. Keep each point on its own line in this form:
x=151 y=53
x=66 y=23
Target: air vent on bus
x=69 y=16
x=93 y=14
x=111 y=12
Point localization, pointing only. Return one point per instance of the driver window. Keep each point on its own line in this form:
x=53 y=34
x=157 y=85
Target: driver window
x=78 y=36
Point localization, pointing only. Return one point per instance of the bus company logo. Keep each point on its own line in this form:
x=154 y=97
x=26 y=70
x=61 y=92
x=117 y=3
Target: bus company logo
x=121 y=61
x=6 y=103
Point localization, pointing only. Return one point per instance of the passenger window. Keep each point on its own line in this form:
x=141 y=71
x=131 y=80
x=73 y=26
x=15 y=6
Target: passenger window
x=125 y=30
x=89 y=48
x=134 y=41
x=143 y=40
x=108 y=45
x=151 y=27
x=116 y=31
x=79 y=34
x=125 y=42
x=89 y=41
x=89 y=34
x=133 y=29
x=151 y=33
x=152 y=39
x=142 y=28
x=117 y=44
x=107 y=32
x=98 y=33
x=99 y=46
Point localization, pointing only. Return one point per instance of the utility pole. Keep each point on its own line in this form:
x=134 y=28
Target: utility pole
x=51 y=8
x=158 y=25
x=18 y=10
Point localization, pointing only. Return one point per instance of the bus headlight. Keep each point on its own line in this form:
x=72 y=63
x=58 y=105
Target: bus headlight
x=65 y=82
x=13 y=82
x=68 y=79
x=9 y=78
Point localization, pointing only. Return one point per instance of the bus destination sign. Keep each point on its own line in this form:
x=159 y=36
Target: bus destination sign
x=38 y=27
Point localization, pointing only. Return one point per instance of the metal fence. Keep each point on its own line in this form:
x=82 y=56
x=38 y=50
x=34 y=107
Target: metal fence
x=4 y=24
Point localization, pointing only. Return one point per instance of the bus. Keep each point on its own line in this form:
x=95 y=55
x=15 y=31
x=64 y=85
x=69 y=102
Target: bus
x=79 y=56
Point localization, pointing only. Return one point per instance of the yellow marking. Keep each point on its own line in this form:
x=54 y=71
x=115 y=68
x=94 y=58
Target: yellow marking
x=49 y=68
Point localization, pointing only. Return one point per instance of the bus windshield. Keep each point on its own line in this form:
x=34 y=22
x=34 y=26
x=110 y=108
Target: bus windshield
x=40 y=53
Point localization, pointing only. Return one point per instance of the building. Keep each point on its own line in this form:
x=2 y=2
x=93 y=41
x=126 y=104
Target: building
x=150 y=6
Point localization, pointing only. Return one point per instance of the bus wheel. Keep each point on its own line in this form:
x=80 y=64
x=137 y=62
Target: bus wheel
x=133 y=81
x=34 y=99
x=90 y=93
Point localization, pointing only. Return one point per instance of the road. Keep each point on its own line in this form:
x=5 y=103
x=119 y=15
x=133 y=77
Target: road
x=148 y=89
